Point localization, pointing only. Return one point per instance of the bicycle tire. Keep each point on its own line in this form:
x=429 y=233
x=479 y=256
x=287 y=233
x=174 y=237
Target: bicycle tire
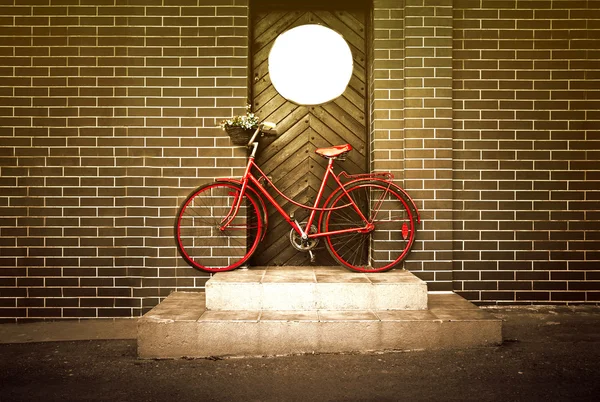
x=201 y=241
x=381 y=249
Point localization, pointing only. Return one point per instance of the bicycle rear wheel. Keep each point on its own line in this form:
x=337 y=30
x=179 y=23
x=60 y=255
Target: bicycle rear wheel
x=387 y=244
x=201 y=240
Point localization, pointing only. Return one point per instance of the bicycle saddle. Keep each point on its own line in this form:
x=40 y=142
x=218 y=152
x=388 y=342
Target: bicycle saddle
x=334 y=151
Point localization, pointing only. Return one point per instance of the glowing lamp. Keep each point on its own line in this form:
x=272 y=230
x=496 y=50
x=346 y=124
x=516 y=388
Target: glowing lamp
x=310 y=64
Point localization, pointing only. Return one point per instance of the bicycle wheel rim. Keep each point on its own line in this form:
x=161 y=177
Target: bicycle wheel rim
x=387 y=244
x=203 y=242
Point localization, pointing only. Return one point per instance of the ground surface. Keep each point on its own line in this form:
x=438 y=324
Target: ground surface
x=550 y=354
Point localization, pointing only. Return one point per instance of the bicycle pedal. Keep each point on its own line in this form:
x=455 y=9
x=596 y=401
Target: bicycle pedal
x=313 y=257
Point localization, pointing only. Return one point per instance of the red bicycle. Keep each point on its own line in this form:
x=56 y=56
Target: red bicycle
x=368 y=223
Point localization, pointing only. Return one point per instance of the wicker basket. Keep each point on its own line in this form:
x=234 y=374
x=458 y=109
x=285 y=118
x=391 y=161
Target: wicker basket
x=239 y=135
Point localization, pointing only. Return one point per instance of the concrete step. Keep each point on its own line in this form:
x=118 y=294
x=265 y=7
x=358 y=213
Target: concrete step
x=314 y=288
x=181 y=326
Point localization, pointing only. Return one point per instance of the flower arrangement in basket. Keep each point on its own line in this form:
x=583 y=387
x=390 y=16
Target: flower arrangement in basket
x=241 y=128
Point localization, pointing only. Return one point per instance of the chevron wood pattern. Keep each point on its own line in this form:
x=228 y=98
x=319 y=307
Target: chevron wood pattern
x=290 y=158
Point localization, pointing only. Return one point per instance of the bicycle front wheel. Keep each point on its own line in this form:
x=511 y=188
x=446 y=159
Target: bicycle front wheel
x=380 y=249
x=201 y=237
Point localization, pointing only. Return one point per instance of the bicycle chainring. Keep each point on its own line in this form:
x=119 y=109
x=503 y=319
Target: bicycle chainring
x=303 y=245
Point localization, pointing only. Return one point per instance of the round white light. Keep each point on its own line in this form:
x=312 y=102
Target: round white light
x=310 y=64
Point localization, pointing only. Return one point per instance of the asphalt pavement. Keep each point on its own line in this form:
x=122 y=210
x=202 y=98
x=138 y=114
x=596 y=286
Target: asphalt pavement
x=548 y=354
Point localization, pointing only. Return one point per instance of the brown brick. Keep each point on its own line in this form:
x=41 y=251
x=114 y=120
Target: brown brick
x=113 y=131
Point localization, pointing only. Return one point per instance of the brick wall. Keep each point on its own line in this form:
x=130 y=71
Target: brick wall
x=108 y=111
x=526 y=150
x=487 y=111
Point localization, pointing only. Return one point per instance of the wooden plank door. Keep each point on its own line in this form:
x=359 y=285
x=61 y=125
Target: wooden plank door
x=290 y=159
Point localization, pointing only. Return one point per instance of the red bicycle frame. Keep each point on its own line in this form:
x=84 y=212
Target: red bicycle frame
x=250 y=178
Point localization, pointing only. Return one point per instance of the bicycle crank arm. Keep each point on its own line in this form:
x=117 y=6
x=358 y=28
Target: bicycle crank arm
x=305 y=238
x=302 y=232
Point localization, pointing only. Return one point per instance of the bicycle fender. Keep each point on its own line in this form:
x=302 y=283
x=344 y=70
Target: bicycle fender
x=255 y=193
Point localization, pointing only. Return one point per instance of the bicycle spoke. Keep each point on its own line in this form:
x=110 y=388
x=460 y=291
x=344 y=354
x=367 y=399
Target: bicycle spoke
x=386 y=245
x=356 y=250
x=202 y=239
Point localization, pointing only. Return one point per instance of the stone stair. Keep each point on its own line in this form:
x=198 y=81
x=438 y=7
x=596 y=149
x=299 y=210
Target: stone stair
x=323 y=288
x=294 y=310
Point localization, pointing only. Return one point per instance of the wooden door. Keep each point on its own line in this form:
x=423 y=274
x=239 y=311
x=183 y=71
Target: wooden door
x=290 y=159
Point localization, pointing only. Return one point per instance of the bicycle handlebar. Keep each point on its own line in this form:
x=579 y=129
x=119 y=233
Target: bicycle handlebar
x=262 y=127
x=268 y=126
